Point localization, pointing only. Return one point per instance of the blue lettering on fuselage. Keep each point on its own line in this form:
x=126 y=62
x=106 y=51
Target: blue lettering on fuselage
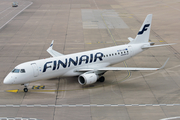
x=73 y=61
x=45 y=66
x=68 y=62
x=98 y=55
x=83 y=58
x=64 y=64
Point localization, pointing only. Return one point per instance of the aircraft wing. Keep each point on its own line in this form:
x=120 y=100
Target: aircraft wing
x=84 y=70
x=131 y=68
x=125 y=68
x=121 y=68
x=115 y=69
x=53 y=52
x=157 y=45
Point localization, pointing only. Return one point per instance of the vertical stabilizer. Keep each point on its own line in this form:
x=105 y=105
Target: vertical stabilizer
x=143 y=34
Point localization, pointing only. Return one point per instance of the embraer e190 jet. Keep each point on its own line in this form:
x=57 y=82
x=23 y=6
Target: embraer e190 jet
x=89 y=66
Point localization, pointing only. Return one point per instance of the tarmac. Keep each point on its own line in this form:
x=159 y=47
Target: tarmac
x=26 y=32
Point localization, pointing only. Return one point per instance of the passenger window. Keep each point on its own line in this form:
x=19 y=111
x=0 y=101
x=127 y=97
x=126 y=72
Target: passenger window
x=22 y=71
x=118 y=53
x=115 y=54
x=106 y=55
x=15 y=71
x=112 y=54
x=109 y=54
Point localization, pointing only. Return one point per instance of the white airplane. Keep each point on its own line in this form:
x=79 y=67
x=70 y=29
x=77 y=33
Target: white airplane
x=88 y=65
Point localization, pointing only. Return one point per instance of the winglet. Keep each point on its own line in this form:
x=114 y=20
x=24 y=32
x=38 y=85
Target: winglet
x=164 y=64
x=51 y=46
x=53 y=52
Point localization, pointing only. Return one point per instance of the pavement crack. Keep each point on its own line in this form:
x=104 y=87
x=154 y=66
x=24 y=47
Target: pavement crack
x=56 y=97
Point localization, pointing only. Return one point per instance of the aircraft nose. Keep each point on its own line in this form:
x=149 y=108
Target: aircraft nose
x=7 y=80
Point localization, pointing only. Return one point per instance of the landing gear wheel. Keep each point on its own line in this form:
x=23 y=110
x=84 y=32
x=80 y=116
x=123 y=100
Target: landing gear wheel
x=102 y=79
x=25 y=90
x=25 y=87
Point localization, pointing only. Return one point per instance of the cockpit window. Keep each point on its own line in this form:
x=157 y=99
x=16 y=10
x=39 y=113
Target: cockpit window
x=22 y=71
x=18 y=70
x=15 y=71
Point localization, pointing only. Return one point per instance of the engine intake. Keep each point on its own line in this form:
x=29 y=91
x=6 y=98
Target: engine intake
x=87 y=78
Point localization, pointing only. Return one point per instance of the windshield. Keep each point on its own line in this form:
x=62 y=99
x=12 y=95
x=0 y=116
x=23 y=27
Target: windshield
x=15 y=71
x=18 y=70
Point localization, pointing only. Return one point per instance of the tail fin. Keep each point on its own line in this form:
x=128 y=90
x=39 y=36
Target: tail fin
x=143 y=34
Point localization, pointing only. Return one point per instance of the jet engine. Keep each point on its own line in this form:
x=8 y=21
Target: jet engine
x=87 y=78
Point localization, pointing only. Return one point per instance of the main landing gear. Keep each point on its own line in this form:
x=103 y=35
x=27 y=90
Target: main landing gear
x=25 y=87
x=101 y=79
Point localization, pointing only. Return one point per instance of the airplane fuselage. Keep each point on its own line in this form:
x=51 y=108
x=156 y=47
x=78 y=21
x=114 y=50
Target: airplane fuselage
x=66 y=65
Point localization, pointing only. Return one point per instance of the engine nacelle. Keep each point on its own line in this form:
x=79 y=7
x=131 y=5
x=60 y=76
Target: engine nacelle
x=87 y=78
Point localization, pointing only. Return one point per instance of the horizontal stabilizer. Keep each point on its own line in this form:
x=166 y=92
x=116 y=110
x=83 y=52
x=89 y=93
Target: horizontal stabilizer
x=53 y=52
x=130 y=39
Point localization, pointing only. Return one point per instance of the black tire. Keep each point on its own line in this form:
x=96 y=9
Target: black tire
x=25 y=90
x=102 y=79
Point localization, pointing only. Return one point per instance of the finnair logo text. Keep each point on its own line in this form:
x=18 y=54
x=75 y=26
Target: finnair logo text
x=144 y=29
x=68 y=62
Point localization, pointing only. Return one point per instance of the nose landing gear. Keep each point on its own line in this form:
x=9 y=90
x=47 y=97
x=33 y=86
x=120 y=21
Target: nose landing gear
x=25 y=87
x=25 y=90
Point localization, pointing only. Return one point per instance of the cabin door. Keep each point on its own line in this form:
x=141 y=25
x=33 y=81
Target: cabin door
x=130 y=49
x=35 y=69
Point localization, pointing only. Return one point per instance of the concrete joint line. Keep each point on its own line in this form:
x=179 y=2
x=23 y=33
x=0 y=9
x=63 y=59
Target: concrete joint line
x=16 y=15
x=90 y=105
